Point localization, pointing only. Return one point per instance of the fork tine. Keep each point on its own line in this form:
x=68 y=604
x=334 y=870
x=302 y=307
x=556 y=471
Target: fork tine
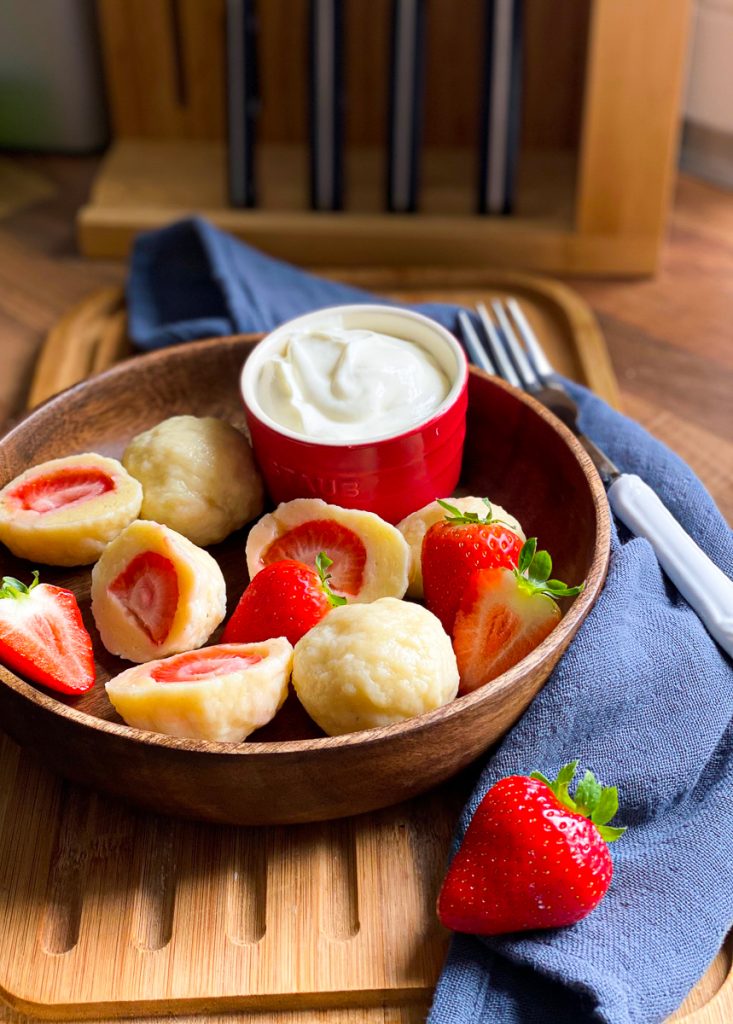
x=542 y=364
x=527 y=374
x=496 y=347
x=476 y=352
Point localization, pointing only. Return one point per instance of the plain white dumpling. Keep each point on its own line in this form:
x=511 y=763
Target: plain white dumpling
x=198 y=477
x=368 y=665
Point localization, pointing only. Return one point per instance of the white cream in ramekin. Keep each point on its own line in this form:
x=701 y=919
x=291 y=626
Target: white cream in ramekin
x=349 y=383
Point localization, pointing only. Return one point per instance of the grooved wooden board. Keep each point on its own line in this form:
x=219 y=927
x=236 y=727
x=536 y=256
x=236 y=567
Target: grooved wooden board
x=107 y=912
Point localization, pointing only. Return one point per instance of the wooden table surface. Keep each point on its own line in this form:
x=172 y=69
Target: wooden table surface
x=670 y=338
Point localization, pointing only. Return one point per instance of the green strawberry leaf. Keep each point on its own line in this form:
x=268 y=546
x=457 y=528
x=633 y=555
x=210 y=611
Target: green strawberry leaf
x=606 y=806
x=458 y=518
x=588 y=794
x=13 y=588
x=533 y=570
x=526 y=555
x=540 y=778
x=323 y=564
x=591 y=799
x=561 y=786
x=559 y=589
x=610 y=833
x=540 y=568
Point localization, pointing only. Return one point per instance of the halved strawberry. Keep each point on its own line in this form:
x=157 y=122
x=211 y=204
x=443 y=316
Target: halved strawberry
x=60 y=489
x=504 y=614
x=42 y=635
x=305 y=542
x=194 y=666
x=148 y=590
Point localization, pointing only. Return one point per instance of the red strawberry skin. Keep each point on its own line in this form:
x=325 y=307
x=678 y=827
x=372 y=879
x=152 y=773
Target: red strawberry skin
x=526 y=862
x=285 y=598
x=451 y=552
x=43 y=638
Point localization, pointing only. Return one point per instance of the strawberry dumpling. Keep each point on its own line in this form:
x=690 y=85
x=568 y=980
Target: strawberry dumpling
x=219 y=693
x=65 y=511
x=414 y=527
x=370 y=557
x=155 y=593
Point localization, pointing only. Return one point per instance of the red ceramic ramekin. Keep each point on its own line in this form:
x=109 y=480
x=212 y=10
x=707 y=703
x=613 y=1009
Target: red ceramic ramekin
x=393 y=474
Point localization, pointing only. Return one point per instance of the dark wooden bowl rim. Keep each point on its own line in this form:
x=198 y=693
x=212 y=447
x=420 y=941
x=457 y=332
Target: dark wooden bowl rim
x=367 y=737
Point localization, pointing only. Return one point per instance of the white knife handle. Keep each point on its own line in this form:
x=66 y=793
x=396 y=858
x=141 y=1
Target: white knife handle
x=705 y=587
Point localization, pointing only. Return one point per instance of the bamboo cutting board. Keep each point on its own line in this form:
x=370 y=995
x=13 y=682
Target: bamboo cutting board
x=108 y=912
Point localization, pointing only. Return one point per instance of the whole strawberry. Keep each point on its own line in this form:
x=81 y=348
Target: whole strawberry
x=533 y=856
x=454 y=548
x=286 y=598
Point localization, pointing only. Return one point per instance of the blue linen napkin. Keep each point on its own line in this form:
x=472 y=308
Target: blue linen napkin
x=644 y=697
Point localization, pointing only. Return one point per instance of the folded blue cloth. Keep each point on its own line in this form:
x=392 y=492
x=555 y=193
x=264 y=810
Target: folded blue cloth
x=643 y=696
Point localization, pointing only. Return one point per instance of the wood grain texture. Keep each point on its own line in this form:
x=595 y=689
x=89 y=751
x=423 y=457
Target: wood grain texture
x=636 y=57
x=144 y=41
x=299 y=778
x=687 y=306
x=164 y=67
x=596 y=151
x=179 y=918
x=145 y=184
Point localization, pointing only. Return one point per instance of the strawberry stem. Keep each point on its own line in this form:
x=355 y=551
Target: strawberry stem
x=458 y=518
x=323 y=564
x=533 y=570
x=591 y=799
x=13 y=588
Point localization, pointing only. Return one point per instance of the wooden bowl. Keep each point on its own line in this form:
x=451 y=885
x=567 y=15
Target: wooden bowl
x=517 y=453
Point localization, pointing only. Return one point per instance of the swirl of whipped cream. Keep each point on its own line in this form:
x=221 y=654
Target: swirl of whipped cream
x=339 y=384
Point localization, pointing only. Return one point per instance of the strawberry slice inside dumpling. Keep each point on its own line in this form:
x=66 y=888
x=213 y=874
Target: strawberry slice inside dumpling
x=154 y=593
x=370 y=557
x=148 y=590
x=305 y=542
x=220 y=693
x=61 y=489
x=66 y=511
x=198 y=665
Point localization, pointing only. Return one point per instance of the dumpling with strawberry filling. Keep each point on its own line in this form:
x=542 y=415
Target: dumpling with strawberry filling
x=220 y=693
x=370 y=557
x=155 y=593
x=65 y=511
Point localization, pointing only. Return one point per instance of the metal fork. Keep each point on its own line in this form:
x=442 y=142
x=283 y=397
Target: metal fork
x=506 y=346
